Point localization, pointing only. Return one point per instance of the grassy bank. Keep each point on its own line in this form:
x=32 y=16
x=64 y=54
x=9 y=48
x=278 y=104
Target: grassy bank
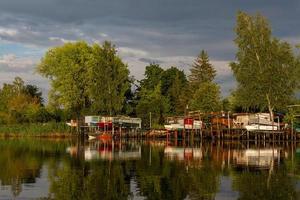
x=51 y=129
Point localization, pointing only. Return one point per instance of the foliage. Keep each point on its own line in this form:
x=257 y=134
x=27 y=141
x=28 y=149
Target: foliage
x=206 y=98
x=35 y=129
x=173 y=86
x=265 y=66
x=205 y=93
x=161 y=92
x=164 y=89
x=66 y=68
x=154 y=102
x=153 y=73
x=24 y=160
x=265 y=185
x=85 y=78
x=21 y=103
x=108 y=80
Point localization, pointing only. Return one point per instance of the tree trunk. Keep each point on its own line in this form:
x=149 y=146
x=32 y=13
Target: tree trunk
x=270 y=108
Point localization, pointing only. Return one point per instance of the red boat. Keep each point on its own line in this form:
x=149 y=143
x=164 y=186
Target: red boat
x=104 y=137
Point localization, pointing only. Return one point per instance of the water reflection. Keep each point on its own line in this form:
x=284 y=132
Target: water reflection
x=112 y=150
x=148 y=170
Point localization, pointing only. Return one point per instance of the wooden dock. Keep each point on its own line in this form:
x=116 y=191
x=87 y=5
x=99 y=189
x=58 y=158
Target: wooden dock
x=229 y=134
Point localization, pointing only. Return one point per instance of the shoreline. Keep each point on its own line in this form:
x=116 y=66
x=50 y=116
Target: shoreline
x=44 y=135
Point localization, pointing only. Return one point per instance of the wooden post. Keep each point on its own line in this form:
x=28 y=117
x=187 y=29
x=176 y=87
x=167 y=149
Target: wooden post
x=247 y=135
x=150 y=121
x=112 y=129
x=292 y=129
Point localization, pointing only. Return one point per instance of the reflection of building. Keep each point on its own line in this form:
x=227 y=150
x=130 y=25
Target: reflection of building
x=181 y=153
x=108 y=151
x=257 y=158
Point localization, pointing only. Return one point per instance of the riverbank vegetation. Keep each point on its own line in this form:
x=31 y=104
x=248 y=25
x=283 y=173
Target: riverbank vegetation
x=49 y=129
x=91 y=79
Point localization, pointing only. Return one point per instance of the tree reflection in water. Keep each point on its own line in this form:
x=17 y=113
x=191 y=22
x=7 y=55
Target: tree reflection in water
x=151 y=169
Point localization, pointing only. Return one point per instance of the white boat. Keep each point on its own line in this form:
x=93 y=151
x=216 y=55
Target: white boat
x=171 y=127
x=261 y=127
x=261 y=122
x=91 y=137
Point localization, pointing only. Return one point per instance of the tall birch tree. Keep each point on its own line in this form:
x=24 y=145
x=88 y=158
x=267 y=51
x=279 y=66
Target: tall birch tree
x=265 y=67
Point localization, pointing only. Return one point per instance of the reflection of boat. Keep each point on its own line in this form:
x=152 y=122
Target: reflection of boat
x=109 y=154
x=104 y=136
x=260 y=158
x=92 y=137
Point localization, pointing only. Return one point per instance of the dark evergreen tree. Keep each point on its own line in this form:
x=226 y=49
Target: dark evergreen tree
x=202 y=71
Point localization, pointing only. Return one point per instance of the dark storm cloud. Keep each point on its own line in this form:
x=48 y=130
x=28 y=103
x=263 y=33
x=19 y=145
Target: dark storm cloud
x=171 y=32
x=168 y=27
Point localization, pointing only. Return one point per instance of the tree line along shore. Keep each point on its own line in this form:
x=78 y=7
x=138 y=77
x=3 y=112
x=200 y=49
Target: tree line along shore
x=91 y=79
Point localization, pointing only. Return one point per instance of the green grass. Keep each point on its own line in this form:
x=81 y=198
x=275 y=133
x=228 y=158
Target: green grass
x=52 y=129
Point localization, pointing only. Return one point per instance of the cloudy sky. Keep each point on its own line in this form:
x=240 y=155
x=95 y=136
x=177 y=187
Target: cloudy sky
x=169 y=32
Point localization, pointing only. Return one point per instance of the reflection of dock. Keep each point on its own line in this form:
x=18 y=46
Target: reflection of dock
x=239 y=155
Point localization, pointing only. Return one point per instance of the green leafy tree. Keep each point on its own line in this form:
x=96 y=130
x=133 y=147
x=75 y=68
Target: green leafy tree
x=161 y=93
x=66 y=67
x=154 y=102
x=153 y=74
x=34 y=92
x=173 y=85
x=265 y=67
x=206 y=98
x=18 y=102
x=109 y=80
x=85 y=78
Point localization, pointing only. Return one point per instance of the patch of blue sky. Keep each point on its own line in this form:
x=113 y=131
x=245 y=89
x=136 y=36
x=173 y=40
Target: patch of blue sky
x=20 y=50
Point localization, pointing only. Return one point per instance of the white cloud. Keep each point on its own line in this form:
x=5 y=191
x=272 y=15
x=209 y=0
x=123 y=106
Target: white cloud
x=58 y=39
x=8 y=32
x=131 y=52
x=10 y=62
x=222 y=67
x=103 y=34
x=7 y=58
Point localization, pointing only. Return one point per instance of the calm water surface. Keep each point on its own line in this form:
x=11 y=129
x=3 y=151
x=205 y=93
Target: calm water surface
x=63 y=169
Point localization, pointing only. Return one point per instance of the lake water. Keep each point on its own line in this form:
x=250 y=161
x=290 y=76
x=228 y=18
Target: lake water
x=65 y=169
